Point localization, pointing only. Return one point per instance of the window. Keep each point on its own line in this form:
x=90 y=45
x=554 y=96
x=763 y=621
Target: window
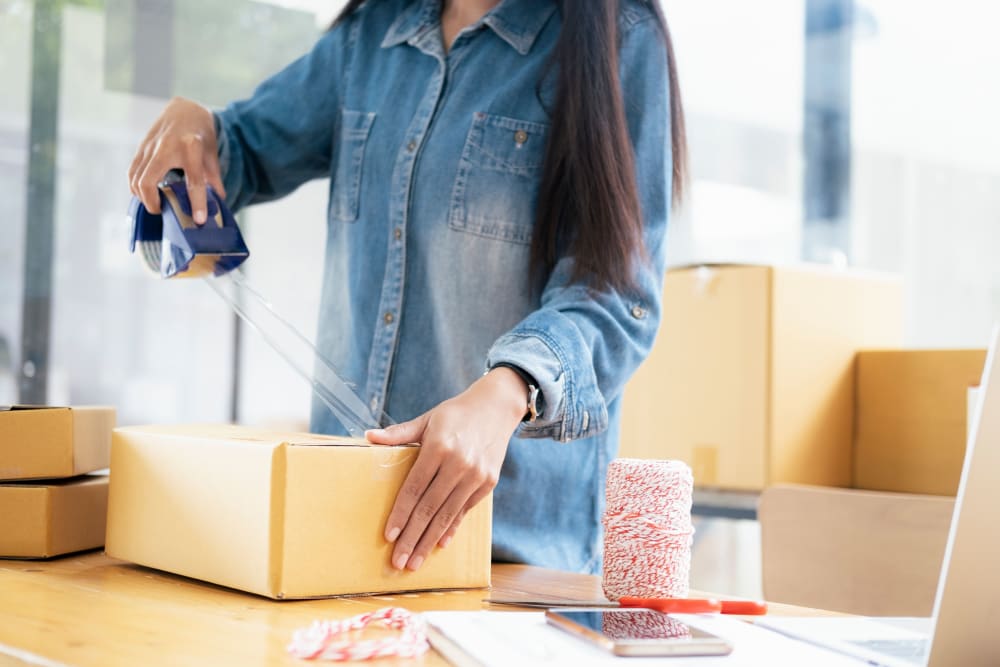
x=830 y=130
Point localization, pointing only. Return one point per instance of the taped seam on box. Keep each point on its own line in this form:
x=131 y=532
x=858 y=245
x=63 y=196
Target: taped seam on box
x=276 y=536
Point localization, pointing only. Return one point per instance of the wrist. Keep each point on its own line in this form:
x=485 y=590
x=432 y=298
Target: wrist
x=509 y=390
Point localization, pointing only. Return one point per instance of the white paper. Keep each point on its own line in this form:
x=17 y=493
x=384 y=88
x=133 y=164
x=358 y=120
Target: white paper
x=524 y=639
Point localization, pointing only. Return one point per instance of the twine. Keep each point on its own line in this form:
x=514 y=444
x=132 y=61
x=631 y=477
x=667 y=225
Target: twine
x=332 y=640
x=647 y=529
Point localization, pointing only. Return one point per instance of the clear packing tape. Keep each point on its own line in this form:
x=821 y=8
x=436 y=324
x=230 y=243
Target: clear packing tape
x=172 y=245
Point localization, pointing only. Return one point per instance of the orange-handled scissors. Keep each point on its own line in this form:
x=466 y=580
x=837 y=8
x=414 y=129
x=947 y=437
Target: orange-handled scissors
x=697 y=605
x=666 y=605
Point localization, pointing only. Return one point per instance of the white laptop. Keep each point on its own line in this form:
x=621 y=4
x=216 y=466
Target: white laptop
x=965 y=628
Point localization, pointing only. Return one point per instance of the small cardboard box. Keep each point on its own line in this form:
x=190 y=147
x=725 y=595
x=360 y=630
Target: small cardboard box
x=285 y=515
x=911 y=423
x=50 y=442
x=44 y=519
x=751 y=379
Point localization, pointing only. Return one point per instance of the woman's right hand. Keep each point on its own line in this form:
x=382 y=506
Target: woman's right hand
x=183 y=137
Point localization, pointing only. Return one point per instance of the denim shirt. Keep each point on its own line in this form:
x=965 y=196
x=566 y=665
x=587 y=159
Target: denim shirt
x=434 y=161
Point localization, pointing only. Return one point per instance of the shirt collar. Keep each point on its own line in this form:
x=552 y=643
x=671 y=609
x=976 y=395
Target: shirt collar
x=517 y=22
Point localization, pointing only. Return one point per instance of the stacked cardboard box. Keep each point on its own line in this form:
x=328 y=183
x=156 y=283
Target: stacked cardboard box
x=50 y=503
x=751 y=380
x=911 y=418
x=763 y=375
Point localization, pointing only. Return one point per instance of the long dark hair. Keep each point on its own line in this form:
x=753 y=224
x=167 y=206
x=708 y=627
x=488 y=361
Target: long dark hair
x=588 y=201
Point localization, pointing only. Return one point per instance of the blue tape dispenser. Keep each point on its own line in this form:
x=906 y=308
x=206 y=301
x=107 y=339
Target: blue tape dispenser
x=174 y=246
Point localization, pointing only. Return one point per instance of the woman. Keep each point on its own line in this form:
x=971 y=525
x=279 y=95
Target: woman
x=500 y=183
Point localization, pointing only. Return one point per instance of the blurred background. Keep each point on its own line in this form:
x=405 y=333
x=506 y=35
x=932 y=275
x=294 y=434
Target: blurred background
x=848 y=132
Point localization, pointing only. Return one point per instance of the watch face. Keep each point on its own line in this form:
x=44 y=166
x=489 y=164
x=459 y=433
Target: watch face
x=533 y=401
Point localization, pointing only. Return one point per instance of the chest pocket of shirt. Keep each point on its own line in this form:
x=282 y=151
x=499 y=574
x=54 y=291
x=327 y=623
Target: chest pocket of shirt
x=354 y=129
x=496 y=189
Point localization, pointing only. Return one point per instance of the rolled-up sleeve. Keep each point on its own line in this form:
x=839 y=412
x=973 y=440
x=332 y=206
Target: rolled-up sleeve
x=281 y=136
x=581 y=345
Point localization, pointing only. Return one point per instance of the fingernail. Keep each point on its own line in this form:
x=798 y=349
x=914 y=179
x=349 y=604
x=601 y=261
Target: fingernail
x=199 y=217
x=416 y=563
x=392 y=534
x=400 y=561
x=445 y=541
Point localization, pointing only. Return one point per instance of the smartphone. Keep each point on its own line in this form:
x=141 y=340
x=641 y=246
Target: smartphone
x=637 y=632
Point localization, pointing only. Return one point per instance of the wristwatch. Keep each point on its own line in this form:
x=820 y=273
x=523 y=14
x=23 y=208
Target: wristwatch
x=536 y=400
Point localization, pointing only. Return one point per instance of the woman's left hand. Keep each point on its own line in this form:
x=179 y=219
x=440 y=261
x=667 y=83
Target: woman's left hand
x=463 y=442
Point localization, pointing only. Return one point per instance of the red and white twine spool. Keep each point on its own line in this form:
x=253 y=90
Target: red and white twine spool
x=647 y=529
x=333 y=640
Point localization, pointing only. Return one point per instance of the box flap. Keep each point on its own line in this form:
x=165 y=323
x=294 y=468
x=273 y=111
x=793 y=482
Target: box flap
x=51 y=483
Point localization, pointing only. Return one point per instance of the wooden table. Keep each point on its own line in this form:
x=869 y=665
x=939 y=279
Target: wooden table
x=90 y=609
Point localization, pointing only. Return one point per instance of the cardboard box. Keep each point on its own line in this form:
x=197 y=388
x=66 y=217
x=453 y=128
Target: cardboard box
x=751 y=379
x=859 y=552
x=48 y=442
x=40 y=520
x=284 y=515
x=911 y=421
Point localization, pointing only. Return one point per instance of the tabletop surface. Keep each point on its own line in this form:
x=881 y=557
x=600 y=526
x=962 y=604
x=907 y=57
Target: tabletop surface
x=90 y=609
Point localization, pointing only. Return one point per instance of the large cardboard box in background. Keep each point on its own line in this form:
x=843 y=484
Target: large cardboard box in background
x=284 y=515
x=911 y=418
x=44 y=519
x=855 y=551
x=49 y=442
x=751 y=379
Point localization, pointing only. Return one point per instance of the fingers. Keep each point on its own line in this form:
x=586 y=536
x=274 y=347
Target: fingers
x=416 y=484
x=141 y=158
x=473 y=500
x=182 y=138
x=431 y=517
x=463 y=442
x=399 y=434
x=137 y=167
x=148 y=186
x=453 y=528
x=194 y=174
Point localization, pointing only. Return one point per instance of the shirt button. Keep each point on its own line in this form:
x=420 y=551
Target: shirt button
x=412 y=146
x=388 y=318
x=638 y=312
x=397 y=233
x=520 y=137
